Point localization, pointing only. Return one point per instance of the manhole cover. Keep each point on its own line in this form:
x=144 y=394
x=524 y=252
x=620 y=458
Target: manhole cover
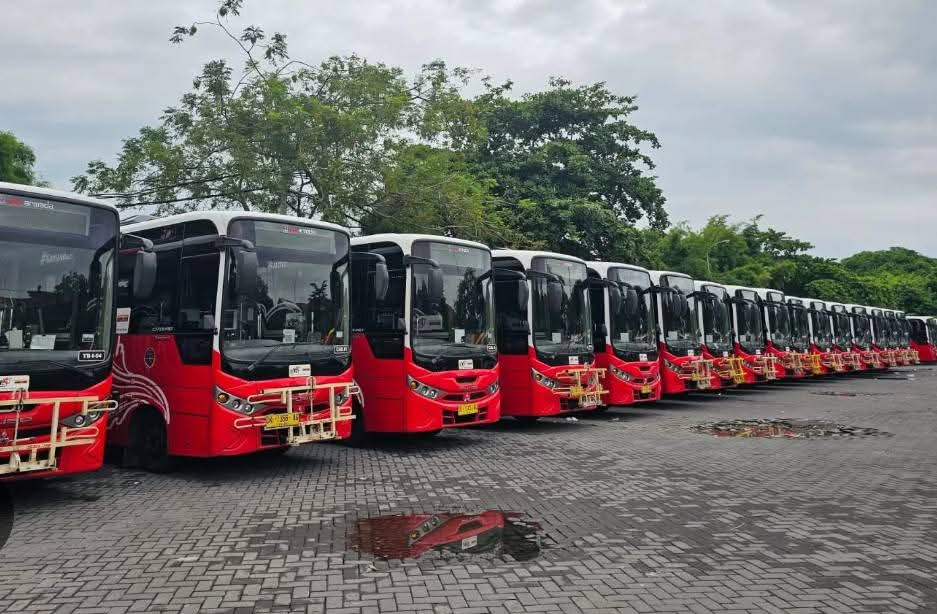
x=503 y=534
x=765 y=427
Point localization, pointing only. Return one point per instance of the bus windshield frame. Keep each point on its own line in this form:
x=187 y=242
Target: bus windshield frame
x=568 y=331
x=719 y=338
x=680 y=332
x=633 y=332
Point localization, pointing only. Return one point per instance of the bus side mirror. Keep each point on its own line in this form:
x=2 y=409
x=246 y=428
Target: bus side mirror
x=245 y=282
x=523 y=296
x=709 y=316
x=144 y=274
x=614 y=300
x=336 y=289
x=381 y=280
x=554 y=296
x=434 y=284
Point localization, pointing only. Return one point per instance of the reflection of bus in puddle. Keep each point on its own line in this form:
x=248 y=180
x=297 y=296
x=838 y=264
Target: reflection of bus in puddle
x=503 y=534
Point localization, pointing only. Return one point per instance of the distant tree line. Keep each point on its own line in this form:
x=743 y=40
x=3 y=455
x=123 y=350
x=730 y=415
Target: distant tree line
x=362 y=144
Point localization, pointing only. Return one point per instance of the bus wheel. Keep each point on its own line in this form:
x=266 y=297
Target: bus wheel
x=526 y=419
x=149 y=442
x=359 y=437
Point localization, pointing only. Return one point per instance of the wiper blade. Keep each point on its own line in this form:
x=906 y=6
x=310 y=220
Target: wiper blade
x=267 y=354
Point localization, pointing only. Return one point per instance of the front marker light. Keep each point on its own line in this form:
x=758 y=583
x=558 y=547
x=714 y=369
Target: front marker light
x=543 y=380
x=494 y=387
x=77 y=421
x=422 y=389
x=234 y=403
x=619 y=373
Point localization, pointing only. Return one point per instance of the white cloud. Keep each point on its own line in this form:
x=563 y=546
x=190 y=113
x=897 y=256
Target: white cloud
x=819 y=115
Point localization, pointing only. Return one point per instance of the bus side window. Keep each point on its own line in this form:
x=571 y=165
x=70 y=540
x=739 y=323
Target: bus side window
x=512 y=322
x=382 y=322
x=157 y=313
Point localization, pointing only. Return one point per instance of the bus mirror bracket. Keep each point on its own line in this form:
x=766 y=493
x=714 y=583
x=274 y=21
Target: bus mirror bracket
x=434 y=280
x=245 y=282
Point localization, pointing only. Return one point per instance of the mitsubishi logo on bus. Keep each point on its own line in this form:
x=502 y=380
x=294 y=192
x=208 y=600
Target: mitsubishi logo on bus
x=149 y=358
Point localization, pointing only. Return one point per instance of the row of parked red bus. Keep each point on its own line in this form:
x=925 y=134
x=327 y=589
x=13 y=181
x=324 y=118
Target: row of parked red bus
x=224 y=333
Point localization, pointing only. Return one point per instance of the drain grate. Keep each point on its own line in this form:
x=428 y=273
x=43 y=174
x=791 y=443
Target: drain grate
x=785 y=428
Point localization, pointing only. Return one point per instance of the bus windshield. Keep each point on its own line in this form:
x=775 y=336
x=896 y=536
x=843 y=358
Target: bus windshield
x=842 y=335
x=863 y=335
x=298 y=311
x=56 y=283
x=800 y=328
x=779 y=321
x=932 y=330
x=561 y=324
x=751 y=329
x=822 y=331
x=632 y=330
x=461 y=321
x=880 y=328
x=681 y=331
x=904 y=332
x=717 y=323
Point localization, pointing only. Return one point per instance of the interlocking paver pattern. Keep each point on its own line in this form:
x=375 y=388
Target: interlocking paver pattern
x=639 y=515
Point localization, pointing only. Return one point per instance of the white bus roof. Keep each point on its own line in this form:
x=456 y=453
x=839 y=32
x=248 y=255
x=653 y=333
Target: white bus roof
x=525 y=257
x=657 y=275
x=699 y=284
x=223 y=218
x=39 y=192
x=602 y=267
x=922 y=318
x=406 y=240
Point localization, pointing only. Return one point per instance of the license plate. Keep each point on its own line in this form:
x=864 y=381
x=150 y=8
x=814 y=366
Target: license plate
x=279 y=421
x=575 y=392
x=469 y=409
x=645 y=390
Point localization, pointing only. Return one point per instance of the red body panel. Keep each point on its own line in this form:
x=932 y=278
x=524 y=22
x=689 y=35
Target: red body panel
x=645 y=375
x=71 y=459
x=183 y=394
x=754 y=366
x=681 y=378
x=828 y=358
x=888 y=356
x=926 y=351
x=391 y=407
x=522 y=396
x=871 y=359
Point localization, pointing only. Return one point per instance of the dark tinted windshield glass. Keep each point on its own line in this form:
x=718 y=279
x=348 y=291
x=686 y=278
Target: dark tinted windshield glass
x=800 y=328
x=717 y=319
x=56 y=282
x=562 y=319
x=632 y=328
x=822 y=329
x=298 y=312
x=779 y=321
x=461 y=323
x=681 y=330
x=751 y=331
x=863 y=331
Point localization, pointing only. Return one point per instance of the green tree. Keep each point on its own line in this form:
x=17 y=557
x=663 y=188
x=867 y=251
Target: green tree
x=17 y=161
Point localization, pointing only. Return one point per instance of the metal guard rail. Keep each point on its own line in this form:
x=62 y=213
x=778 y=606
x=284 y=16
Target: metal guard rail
x=24 y=454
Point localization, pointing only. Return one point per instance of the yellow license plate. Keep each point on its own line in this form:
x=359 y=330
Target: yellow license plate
x=279 y=421
x=645 y=390
x=469 y=409
x=575 y=392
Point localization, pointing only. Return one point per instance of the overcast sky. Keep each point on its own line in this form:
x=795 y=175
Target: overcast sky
x=820 y=115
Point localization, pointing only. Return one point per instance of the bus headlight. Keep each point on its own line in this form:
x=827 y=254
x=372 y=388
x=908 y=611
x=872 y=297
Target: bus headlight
x=543 y=380
x=422 y=389
x=619 y=373
x=77 y=421
x=234 y=403
x=672 y=366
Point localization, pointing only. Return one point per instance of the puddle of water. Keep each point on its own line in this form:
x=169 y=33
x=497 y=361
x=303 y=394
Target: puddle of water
x=784 y=428
x=505 y=534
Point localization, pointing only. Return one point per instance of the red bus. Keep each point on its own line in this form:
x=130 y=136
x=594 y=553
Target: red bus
x=758 y=364
x=911 y=355
x=714 y=319
x=924 y=337
x=623 y=332
x=843 y=338
x=545 y=344
x=883 y=338
x=243 y=343
x=426 y=354
x=781 y=335
x=821 y=338
x=862 y=337
x=58 y=255
x=683 y=367
x=800 y=336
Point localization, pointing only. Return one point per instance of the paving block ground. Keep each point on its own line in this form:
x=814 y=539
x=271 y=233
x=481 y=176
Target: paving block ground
x=637 y=513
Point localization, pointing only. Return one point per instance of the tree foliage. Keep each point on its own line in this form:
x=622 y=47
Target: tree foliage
x=17 y=161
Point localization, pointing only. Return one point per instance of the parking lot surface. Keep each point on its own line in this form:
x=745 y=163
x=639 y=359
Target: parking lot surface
x=630 y=510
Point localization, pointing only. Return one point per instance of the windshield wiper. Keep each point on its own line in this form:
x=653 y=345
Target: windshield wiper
x=267 y=354
x=62 y=365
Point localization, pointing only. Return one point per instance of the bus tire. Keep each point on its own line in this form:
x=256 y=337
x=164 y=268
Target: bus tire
x=359 y=437
x=150 y=443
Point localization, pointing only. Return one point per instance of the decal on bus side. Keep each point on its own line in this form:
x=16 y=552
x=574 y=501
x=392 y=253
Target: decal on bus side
x=135 y=390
